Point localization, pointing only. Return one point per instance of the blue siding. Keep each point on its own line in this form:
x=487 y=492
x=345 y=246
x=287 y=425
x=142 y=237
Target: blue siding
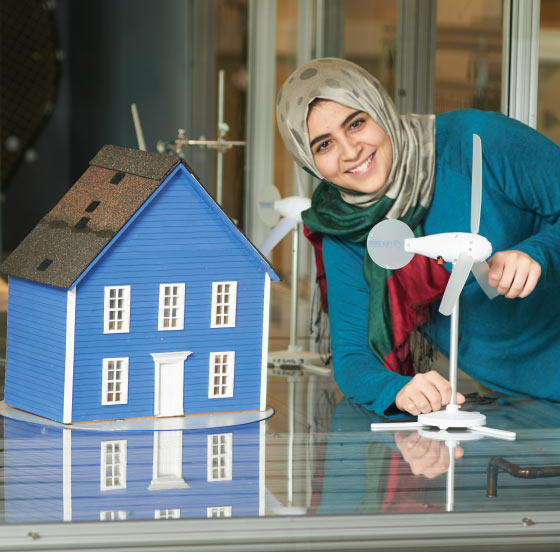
x=34 y=474
x=36 y=348
x=178 y=238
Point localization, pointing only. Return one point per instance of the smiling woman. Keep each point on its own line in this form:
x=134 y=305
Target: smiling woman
x=349 y=148
x=339 y=123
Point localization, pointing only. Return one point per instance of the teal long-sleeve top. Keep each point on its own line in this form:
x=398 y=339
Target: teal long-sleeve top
x=509 y=345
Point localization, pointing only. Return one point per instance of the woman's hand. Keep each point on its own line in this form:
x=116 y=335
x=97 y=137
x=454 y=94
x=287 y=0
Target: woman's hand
x=427 y=457
x=425 y=393
x=513 y=273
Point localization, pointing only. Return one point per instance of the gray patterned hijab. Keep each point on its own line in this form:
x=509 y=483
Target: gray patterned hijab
x=411 y=180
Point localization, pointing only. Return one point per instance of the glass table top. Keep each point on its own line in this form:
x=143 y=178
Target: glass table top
x=314 y=462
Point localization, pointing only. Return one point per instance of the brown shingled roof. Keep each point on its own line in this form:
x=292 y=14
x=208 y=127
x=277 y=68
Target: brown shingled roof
x=99 y=207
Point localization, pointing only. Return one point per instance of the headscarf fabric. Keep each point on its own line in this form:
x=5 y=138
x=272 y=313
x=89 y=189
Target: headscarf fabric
x=397 y=298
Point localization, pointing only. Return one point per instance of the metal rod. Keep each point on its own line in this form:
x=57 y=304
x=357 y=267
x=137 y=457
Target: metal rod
x=450 y=495
x=138 y=127
x=291 y=430
x=453 y=351
x=220 y=155
x=294 y=297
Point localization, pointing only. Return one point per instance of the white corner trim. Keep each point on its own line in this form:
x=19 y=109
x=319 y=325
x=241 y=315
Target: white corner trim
x=69 y=359
x=262 y=468
x=67 y=474
x=264 y=359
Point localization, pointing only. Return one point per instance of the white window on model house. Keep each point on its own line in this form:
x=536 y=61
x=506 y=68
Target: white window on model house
x=112 y=515
x=224 y=302
x=218 y=511
x=113 y=465
x=220 y=457
x=171 y=307
x=222 y=367
x=168 y=513
x=115 y=381
x=117 y=309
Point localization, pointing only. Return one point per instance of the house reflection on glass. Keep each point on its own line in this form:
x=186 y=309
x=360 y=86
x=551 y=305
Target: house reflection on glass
x=55 y=474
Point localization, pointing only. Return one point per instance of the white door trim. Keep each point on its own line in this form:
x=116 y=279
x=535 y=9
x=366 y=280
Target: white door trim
x=164 y=358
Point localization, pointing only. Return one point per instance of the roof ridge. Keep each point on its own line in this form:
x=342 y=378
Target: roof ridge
x=146 y=164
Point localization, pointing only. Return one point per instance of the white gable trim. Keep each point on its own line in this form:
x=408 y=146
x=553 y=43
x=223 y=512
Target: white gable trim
x=264 y=360
x=69 y=360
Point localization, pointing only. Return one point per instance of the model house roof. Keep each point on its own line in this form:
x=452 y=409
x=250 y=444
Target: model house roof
x=75 y=232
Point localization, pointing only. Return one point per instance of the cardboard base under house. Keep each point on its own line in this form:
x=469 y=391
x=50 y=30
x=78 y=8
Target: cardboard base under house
x=192 y=422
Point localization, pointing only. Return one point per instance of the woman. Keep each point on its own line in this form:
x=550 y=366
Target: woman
x=338 y=123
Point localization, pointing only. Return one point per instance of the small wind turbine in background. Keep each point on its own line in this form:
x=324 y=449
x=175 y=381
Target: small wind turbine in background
x=391 y=244
x=283 y=216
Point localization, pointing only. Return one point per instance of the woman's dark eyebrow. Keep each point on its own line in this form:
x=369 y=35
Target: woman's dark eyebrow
x=344 y=123
x=318 y=139
x=349 y=118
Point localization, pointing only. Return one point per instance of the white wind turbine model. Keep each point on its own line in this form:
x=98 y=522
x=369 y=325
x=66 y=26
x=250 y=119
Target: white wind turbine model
x=391 y=244
x=284 y=215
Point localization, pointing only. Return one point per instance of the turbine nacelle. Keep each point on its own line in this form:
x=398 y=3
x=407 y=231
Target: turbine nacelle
x=449 y=246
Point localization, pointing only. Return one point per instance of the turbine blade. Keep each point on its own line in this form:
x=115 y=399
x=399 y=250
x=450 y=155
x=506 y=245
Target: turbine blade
x=476 y=189
x=480 y=271
x=459 y=275
x=276 y=234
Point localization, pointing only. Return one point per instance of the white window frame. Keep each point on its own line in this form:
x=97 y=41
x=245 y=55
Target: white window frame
x=125 y=309
x=180 y=317
x=123 y=381
x=229 y=374
x=219 y=511
x=113 y=515
x=220 y=457
x=121 y=464
x=231 y=304
x=167 y=513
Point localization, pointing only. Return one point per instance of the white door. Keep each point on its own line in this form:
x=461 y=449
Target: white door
x=170 y=389
x=169 y=381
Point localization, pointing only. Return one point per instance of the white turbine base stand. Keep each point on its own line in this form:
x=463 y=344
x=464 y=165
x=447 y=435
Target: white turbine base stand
x=452 y=417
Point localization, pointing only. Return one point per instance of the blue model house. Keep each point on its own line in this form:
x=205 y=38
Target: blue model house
x=136 y=296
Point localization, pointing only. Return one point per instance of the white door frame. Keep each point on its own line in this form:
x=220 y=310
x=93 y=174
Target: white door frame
x=167 y=358
x=520 y=59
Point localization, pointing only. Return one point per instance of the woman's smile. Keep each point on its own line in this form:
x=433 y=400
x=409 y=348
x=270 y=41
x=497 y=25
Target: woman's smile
x=349 y=148
x=364 y=167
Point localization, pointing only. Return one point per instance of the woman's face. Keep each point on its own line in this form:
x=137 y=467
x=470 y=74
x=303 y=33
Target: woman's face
x=349 y=148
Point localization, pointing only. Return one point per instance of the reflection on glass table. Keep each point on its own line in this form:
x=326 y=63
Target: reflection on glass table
x=56 y=474
x=313 y=465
